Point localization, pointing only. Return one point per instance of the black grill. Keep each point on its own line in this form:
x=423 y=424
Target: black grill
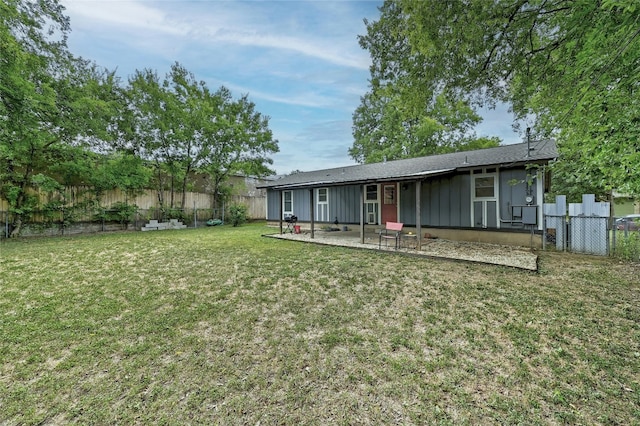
x=291 y=219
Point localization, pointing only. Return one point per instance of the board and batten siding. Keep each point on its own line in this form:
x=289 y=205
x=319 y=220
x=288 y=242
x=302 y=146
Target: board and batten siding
x=343 y=204
x=342 y=200
x=300 y=204
x=512 y=192
x=273 y=204
x=446 y=201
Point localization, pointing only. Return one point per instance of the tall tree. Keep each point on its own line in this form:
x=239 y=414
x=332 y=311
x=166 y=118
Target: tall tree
x=151 y=130
x=49 y=100
x=237 y=139
x=182 y=127
x=406 y=113
x=574 y=65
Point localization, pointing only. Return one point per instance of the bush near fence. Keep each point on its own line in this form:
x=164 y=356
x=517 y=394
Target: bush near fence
x=625 y=242
x=105 y=220
x=73 y=219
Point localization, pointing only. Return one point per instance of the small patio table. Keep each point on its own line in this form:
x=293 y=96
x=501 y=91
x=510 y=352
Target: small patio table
x=409 y=240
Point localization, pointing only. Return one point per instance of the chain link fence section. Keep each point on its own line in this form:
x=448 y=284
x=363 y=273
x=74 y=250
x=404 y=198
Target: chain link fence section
x=593 y=235
x=625 y=239
x=585 y=229
x=555 y=231
x=46 y=224
x=577 y=234
x=589 y=235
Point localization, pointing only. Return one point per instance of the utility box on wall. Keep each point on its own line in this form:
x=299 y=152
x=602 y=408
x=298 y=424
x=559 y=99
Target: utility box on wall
x=530 y=215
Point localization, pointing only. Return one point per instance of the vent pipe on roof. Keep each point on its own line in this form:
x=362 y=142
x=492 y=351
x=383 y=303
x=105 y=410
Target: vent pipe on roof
x=465 y=160
x=528 y=142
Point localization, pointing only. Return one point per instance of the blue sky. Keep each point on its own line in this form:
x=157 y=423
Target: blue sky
x=298 y=60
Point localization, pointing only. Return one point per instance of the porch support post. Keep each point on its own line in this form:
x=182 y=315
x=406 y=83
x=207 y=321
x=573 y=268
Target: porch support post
x=313 y=214
x=419 y=214
x=281 y=212
x=361 y=214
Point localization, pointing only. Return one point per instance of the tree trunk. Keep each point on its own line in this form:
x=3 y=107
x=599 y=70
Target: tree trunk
x=17 y=227
x=184 y=188
x=19 y=204
x=171 y=194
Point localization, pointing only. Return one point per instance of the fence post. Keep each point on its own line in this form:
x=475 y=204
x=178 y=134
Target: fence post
x=195 y=215
x=613 y=242
x=544 y=232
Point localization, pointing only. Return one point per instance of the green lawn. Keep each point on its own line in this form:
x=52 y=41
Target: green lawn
x=223 y=326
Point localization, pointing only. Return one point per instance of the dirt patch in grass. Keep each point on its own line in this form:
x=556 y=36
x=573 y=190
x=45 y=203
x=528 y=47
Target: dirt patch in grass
x=222 y=326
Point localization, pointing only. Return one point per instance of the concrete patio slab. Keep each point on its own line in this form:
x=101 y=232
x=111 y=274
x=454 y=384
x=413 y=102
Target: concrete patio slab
x=511 y=256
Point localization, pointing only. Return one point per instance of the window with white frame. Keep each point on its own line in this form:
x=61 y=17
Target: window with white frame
x=287 y=203
x=322 y=204
x=371 y=204
x=372 y=192
x=484 y=186
x=484 y=198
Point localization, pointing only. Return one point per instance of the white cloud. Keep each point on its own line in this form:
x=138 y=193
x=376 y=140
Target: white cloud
x=216 y=24
x=312 y=48
x=124 y=14
x=299 y=61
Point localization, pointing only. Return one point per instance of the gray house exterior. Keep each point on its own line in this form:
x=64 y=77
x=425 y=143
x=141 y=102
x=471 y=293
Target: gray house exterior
x=473 y=195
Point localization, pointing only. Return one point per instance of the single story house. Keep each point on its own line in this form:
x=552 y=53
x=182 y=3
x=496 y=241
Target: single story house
x=489 y=195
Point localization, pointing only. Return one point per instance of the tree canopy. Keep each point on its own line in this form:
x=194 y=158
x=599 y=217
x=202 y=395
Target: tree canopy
x=572 y=65
x=50 y=101
x=65 y=120
x=407 y=111
x=180 y=127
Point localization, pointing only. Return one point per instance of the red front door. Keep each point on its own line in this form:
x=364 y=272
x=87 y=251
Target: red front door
x=389 y=202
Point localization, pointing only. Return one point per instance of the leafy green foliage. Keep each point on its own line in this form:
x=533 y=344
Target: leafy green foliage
x=238 y=214
x=570 y=65
x=175 y=213
x=58 y=111
x=49 y=100
x=406 y=112
x=120 y=171
x=122 y=213
x=180 y=126
x=627 y=246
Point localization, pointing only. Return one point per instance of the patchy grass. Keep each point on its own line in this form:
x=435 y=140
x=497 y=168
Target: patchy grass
x=222 y=326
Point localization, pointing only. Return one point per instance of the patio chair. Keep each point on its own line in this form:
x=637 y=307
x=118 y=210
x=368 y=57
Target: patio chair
x=392 y=230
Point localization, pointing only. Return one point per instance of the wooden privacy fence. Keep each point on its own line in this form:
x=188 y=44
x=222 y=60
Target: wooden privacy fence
x=75 y=195
x=198 y=208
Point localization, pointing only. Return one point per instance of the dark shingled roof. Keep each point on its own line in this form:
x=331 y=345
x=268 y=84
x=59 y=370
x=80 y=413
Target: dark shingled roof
x=416 y=168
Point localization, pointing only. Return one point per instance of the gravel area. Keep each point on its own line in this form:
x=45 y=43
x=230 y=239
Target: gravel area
x=516 y=257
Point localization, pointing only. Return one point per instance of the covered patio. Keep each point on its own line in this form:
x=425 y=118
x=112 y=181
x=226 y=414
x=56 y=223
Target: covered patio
x=492 y=254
